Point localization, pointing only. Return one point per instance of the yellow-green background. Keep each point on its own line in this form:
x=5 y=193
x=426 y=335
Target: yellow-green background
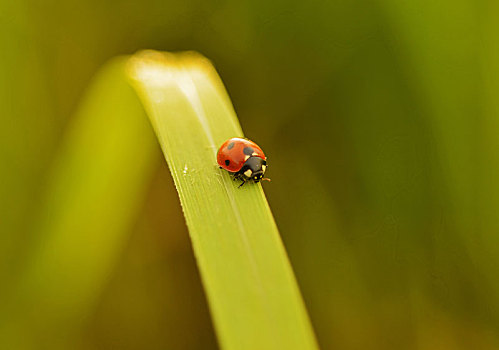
x=380 y=121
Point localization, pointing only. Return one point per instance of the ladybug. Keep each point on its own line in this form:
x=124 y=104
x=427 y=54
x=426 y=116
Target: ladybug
x=243 y=159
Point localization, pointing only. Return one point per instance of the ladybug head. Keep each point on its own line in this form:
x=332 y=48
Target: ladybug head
x=254 y=169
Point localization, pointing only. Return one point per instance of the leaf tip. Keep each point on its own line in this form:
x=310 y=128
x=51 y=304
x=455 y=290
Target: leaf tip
x=162 y=68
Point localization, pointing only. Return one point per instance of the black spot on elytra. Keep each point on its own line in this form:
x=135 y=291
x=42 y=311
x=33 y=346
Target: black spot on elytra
x=227 y=162
x=248 y=151
x=231 y=145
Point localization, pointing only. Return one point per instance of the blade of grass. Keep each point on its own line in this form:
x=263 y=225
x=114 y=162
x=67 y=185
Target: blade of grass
x=251 y=289
x=96 y=185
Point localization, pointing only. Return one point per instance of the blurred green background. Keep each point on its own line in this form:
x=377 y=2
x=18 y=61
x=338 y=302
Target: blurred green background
x=380 y=121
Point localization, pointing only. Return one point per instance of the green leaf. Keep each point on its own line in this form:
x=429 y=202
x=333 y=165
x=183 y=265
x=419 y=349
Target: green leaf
x=97 y=185
x=252 y=292
x=94 y=191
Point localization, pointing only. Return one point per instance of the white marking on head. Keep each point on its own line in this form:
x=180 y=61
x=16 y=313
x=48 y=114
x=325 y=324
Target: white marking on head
x=254 y=154
x=264 y=167
x=246 y=158
x=248 y=173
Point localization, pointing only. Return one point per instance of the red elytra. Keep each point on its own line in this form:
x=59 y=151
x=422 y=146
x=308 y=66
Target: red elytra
x=235 y=151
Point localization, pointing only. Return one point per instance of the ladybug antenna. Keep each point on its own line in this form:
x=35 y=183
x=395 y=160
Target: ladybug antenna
x=266 y=179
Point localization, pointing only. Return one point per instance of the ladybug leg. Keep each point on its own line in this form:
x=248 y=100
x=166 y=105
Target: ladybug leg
x=242 y=183
x=236 y=176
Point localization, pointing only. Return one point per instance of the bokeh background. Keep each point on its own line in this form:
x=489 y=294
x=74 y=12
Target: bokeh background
x=380 y=120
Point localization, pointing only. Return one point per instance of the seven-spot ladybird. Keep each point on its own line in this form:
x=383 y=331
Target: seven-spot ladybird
x=243 y=159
